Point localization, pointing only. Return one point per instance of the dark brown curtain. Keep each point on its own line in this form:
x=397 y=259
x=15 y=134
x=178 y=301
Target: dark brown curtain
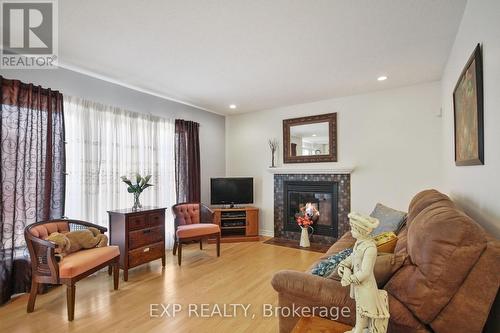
x=187 y=161
x=32 y=164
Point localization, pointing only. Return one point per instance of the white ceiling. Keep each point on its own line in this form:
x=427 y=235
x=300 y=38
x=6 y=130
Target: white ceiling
x=258 y=54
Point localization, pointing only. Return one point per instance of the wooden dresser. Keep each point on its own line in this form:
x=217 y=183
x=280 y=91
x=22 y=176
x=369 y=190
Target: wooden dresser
x=140 y=234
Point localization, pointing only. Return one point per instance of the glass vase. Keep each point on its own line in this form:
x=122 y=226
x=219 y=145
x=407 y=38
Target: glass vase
x=137 y=203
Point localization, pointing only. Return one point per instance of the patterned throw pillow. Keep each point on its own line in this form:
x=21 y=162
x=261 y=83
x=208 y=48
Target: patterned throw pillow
x=386 y=242
x=390 y=219
x=326 y=267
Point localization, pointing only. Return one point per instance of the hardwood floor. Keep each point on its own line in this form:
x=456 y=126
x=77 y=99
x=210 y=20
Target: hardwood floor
x=241 y=275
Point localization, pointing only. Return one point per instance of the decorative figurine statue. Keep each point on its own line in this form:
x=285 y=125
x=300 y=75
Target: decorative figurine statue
x=372 y=306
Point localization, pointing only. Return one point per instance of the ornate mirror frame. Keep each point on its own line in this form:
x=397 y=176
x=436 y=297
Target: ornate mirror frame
x=331 y=118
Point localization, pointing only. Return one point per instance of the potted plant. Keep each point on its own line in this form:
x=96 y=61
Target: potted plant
x=141 y=183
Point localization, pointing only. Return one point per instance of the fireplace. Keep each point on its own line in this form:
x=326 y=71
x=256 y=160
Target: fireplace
x=331 y=193
x=322 y=195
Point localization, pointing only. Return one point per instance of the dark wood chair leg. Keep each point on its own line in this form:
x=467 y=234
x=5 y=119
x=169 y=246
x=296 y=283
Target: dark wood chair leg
x=175 y=247
x=201 y=244
x=70 y=298
x=33 y=293
x=116 y=275
x=218 y=245
x=110 y=269
x=179 y=255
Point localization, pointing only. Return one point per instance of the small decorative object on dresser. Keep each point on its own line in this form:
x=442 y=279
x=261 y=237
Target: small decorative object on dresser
x=140 y=235
x=356 y=271
x=273 y=145
x=141 y=183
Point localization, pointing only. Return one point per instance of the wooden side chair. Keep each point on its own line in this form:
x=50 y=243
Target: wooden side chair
x=194 y=222
x=73 y=267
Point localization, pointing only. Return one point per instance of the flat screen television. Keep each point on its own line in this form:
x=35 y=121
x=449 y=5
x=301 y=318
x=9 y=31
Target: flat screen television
x=231 y=191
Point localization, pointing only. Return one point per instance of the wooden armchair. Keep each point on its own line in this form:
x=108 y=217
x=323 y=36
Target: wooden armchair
x=194 y=222
x=73 y=267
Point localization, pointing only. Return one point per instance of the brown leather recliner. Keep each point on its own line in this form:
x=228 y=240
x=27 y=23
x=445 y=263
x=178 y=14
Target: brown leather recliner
x=447 y=284
x=194 y=222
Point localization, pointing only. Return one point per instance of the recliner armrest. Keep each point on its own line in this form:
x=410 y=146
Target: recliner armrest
x=311 y=287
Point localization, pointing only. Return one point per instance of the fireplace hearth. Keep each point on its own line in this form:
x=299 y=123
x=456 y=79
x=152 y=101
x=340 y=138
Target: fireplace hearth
x=330 y=193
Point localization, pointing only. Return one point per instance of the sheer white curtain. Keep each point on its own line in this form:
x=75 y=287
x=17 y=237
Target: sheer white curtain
x=104 y=143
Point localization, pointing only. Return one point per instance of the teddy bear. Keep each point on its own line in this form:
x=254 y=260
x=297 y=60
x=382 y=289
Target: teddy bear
x=73 y=241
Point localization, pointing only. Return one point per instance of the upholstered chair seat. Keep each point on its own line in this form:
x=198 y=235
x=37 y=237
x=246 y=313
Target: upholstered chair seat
x=194 y=222
x=81 y=261
x=194 y=230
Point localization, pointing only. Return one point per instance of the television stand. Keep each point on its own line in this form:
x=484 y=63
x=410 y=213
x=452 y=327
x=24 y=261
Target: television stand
x=238 y=224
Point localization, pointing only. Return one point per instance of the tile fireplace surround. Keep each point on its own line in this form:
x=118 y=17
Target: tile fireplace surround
x=343 y=182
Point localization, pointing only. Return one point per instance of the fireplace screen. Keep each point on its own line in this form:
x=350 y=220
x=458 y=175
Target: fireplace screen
x=323 y=195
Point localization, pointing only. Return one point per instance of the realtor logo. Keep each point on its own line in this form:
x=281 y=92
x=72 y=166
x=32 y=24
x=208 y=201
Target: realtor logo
x=29 y=34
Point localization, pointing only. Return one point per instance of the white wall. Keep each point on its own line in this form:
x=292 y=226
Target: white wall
x=212 y=132
x=392 y=138
x=476 y=188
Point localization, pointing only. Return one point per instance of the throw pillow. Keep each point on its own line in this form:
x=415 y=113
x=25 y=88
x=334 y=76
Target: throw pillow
x=390 y=219
x=386 y=242
x=386 y=265
x=326 y=267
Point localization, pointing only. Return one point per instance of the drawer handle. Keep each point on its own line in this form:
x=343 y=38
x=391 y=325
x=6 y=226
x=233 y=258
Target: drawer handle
x=146 y=250
x=146 y=231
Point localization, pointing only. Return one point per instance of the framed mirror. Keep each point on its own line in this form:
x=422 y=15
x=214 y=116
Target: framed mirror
x=310 y=139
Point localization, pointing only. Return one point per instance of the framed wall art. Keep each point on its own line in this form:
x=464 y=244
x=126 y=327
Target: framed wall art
x=468 y=112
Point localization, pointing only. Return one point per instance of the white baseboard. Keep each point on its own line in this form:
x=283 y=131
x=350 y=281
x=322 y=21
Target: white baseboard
x=267 y=233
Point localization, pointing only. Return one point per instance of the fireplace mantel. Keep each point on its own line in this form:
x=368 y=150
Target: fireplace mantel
x=285 y=170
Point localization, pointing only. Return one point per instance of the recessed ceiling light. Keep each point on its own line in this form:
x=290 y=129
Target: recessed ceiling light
x=232 y=106
x=382 y=78
x=314 y=134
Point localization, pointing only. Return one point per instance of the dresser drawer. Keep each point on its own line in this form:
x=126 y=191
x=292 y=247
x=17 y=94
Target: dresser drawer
x=146 y=236
x=155 y=219
x=136 y=222
x=145 y=254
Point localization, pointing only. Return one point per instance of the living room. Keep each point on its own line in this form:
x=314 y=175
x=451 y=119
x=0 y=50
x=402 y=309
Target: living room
x=222 y=157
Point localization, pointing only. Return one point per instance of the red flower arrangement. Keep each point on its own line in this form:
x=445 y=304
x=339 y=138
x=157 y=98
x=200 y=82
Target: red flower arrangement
x=307 y=216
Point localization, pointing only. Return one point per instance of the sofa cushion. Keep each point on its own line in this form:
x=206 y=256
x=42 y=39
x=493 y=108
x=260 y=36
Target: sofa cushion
x=403 y=320
x=423 y=200
x=390 y=219
x=344 y=242
x=443 y=245
x=402 y=241
x=385 y=266
x=82 y=261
